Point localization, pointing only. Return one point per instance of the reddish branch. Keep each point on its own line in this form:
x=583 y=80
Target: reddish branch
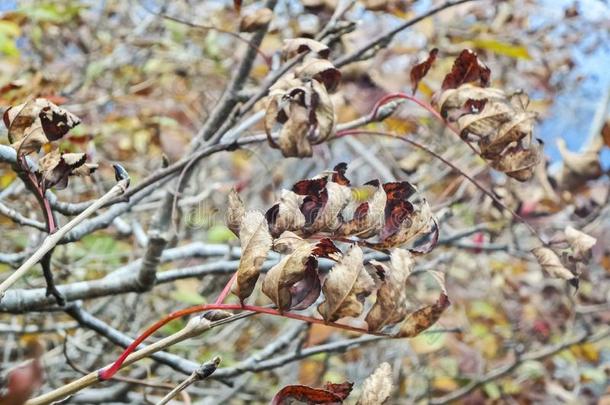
x=389 y=97
x=107 y=373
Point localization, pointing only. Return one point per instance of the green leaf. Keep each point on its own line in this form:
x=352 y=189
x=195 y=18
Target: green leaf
x=220 y=234
x=492 y=390
x=187 y=297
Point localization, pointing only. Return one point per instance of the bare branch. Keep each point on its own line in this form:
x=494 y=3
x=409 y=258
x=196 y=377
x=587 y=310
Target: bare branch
x=52 y=240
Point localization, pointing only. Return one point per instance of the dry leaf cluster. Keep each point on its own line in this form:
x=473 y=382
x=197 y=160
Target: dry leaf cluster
x=497 y=122
x=304 y=225
x=376 y=390
x=37 y=123
x=565 y=265
x=299 y=107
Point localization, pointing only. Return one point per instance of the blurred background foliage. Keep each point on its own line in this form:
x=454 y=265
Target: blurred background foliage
x=143 y=86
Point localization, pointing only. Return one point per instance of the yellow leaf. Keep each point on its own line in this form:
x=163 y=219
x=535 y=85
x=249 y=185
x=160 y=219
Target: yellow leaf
x=424 y=344
x=501 y=48
x=587 y=351
x=445 y=384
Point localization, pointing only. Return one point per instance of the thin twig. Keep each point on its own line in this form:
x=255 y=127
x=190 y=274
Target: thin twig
x=368 y=49
x=193 y=328
x=52 y=240
x=204 y=371
x=507 y=369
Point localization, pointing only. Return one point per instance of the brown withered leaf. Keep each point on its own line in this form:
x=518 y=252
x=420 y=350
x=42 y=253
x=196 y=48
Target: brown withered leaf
x=551 y=265
x=418 y=224
x=324 y=200
x=377 y=388
x=322 y=118
x=499 y=123
x=316 y=197
x=255 y=21
x=345 y=287
x=304 y=114
x=299 y=266
x=294 y=283
x=330 y=394
x=286 y=214
x=296 y=46
x=329 y=219
x=578 y=167
x=519 y=162
x=321 y=70
x=419 y=71
x=467 y=68
x=397 y=209
x=338 y=174
x=390 y=307
x=55 y=168
x=255 y=242
x=36 y=123
x=288 y=242
x=581 y=243
x=368 y=216
x=423 y=318
x=235 y=211
x=293 y=135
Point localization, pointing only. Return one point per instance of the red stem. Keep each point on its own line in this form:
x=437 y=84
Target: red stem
x=389 y=97
x=109 y=372
x=39 y=193
x=225 y=291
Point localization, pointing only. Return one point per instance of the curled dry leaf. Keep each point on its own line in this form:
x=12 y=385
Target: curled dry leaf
x=467 y=68
x=551 y=264
x=255 y=21
x=423 y=318
x=377 y=388
x=55 y=168
x=329 y=204
x=36 y=123
x=321 y=70
x=255 y=242
x=304 y=114
x=329 y=394
x=285 y=214
x=499 y=123
x=296 y=46
x=419 y=71
x=390 y=307
x=405 y=224
x=578 y=168
x=235 y=211
x=293 y=283
x=581 y=243
x=345 y=287
x=329 y=219
x=368 y=216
